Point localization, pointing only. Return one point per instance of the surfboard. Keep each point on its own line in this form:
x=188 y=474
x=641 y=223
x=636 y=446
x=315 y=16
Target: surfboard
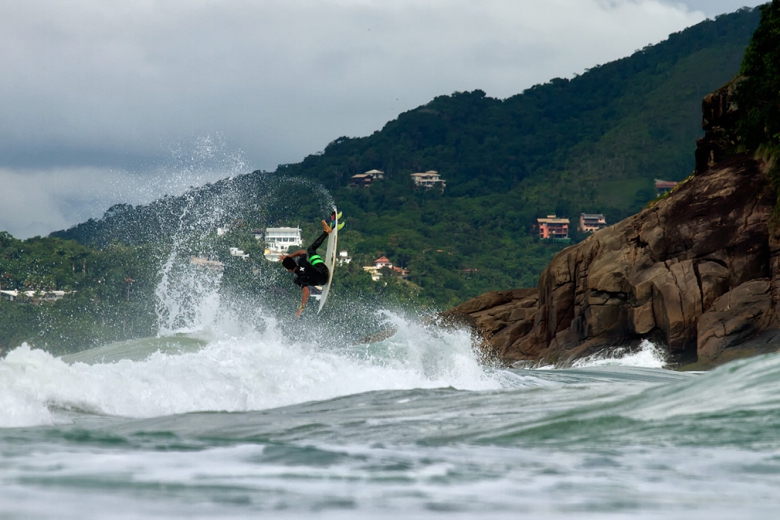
x=330 y=259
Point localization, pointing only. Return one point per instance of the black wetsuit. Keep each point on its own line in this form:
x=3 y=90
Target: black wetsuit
x=312 y=270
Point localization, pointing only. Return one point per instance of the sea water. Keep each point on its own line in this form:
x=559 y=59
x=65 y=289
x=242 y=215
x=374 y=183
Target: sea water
x=212 y=425
x=223 y=415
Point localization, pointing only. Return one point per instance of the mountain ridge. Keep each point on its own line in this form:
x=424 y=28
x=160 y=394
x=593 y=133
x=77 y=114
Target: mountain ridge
x=590 y=144
x=697 y=272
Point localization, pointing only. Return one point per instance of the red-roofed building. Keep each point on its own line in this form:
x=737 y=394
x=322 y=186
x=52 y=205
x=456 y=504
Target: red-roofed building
x=662 y=187
x=384 y=263
x=403 y=273
x=381 y=262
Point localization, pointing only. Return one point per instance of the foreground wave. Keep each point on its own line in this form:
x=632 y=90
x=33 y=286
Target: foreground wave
x=210 y=425
x=216 y=372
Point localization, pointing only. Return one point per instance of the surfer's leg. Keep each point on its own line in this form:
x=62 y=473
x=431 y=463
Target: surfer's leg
x=317 y=243
x=323 y=274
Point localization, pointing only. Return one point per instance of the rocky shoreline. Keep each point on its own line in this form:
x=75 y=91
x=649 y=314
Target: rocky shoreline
x=697 y=272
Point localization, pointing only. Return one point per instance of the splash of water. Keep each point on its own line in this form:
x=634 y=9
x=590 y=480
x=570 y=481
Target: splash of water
x=253 y=371
x=189 y=297
x=248 y=359
x=188 y=163
x=648 y=355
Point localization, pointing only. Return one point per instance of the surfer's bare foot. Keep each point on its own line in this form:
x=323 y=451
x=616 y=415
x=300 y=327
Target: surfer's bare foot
x=326 y=228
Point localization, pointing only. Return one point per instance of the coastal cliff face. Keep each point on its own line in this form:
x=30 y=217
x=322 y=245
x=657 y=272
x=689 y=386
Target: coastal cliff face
x=695 y=272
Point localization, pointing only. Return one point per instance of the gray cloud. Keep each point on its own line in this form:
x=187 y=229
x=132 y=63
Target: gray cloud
x=36 y=202
x=112 y=88
x=712 y=8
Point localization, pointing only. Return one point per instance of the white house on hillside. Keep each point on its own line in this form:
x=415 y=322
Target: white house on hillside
x=234 y=251
x=33 y=296
x=429 y=179
x=381 y=262
x=279 y=240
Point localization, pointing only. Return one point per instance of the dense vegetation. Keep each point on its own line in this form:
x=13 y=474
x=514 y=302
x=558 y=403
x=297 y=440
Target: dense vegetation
x=119 y=292
x=633 y=119
x=108 y=292
x=590 y=144
x=758 y=94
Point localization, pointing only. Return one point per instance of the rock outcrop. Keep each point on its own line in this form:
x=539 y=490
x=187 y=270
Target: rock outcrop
x=719 y=122
x=696 y=272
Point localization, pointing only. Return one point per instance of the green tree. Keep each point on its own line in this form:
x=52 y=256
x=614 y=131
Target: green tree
x=758 y=94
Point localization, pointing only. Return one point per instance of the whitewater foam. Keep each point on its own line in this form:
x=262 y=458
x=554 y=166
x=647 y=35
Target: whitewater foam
x=648 y=355
x=251 y=372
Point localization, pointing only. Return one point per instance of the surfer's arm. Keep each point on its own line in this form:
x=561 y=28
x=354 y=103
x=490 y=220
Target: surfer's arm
x=305 y=292
x=293 y=255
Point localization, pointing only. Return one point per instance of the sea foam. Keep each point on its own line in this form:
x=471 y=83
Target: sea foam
x=254 y=371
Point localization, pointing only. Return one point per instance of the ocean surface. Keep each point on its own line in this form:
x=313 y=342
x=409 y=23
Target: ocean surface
x=223 y=416
x=211 y=424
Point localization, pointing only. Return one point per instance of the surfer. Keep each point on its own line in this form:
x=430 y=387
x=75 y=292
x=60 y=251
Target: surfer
x=309 y=268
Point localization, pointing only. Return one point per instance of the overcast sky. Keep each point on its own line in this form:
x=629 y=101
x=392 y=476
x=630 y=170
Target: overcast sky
x=105 y=102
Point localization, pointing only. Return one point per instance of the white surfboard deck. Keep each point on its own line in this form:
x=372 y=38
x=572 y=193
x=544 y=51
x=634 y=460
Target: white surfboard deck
x=330 y=259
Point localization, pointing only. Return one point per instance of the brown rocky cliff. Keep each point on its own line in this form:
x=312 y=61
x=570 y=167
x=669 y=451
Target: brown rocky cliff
x=696 y=272
x=719 y=122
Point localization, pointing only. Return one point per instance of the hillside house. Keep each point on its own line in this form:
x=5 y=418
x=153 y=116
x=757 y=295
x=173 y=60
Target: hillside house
x=376 y=272
x=361 y=180
x=429 y=179
x=282 y=238
x=662 y=187
x=592 y=222
x=384 y=263
x=364 y=180
x=35 y=297
x=373 y=271
x=344 y=257
x=381 y=262
x=234 y=251
x=205 y=262
x=553 y=227
x=278 y=240
x=399 y=271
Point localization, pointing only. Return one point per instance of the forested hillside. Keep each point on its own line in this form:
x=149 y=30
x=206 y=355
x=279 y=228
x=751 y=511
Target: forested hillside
x=109 y=293
x=631 y=119
x=590 y=144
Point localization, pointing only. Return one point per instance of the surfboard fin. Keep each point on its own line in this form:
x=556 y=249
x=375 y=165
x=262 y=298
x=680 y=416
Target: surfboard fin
x=334 y=217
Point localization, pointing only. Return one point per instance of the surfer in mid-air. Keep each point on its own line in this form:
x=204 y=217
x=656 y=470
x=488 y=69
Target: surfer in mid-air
x=309 y=268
